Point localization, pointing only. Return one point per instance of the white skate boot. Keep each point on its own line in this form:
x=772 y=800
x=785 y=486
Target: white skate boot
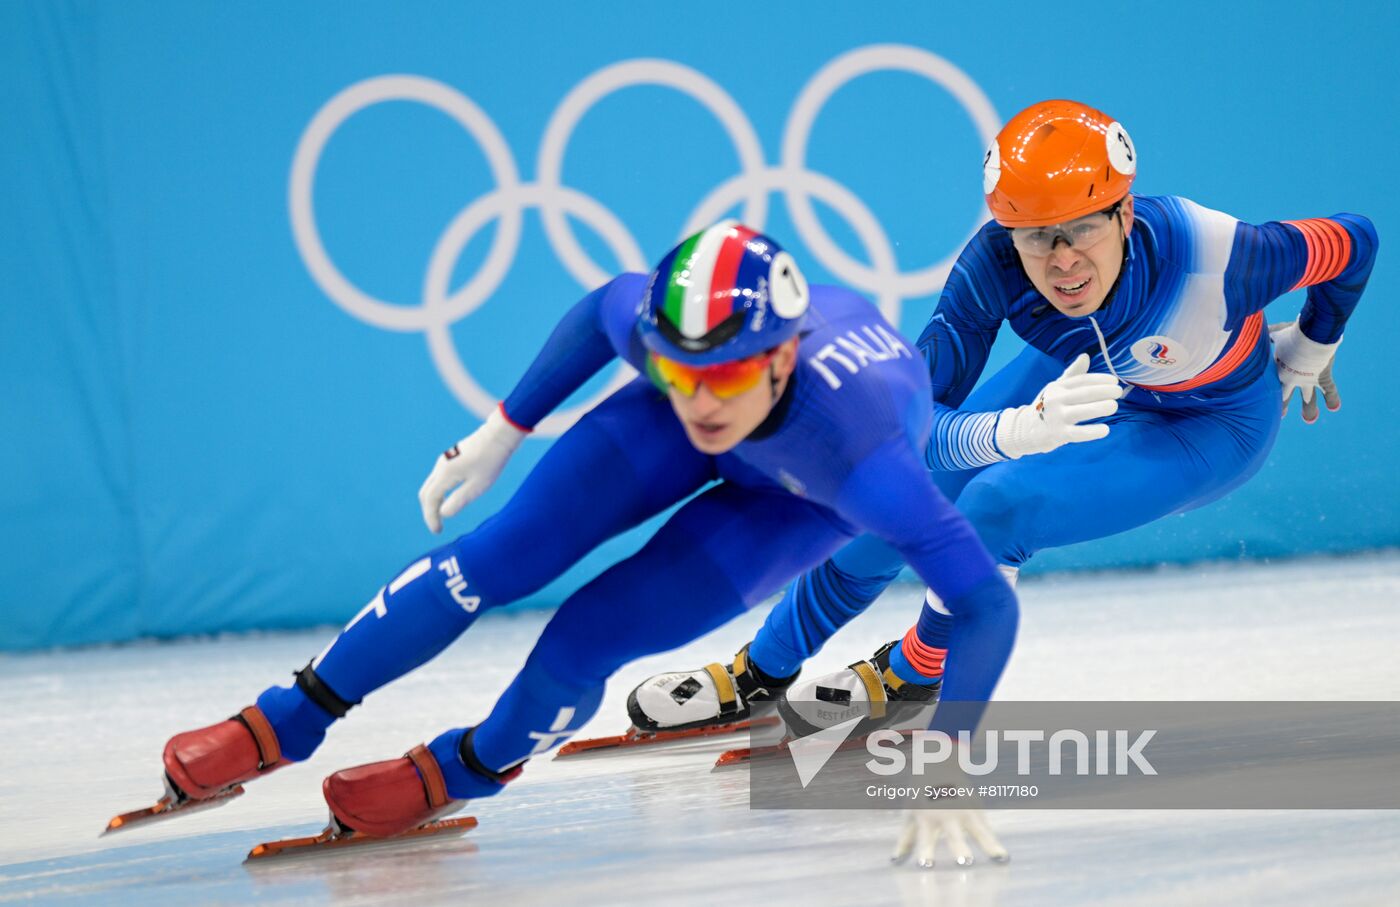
x=868 y=690
x=716 y=694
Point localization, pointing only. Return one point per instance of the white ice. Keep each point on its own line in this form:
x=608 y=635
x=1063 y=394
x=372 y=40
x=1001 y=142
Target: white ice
x=83 y=730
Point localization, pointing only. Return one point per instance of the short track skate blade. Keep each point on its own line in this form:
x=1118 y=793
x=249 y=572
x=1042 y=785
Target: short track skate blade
x=744 y=757
x=332 y=839
x=634 y=737
x=168 y=807
x=741 y=758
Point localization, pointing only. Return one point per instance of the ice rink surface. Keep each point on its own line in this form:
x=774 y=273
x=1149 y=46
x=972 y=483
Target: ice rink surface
x=83 y=732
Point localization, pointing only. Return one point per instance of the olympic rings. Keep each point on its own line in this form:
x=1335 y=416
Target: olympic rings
x=439 y=308
x=454 y=239
x=871 y=234
x=308 y=154
x=603 y=83
x=838 y=72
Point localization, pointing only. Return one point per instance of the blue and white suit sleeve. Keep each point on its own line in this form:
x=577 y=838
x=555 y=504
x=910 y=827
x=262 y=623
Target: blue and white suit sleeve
x=955 y=345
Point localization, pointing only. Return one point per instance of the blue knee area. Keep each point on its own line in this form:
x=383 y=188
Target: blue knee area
x=299 y=723
x=1005 y=515
x=666 y=595
x=820 y=602
x=413 y=618
x=952 y=483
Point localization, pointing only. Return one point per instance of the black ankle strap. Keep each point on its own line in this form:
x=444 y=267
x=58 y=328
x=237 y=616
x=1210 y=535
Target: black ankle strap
x=750 y=679
x=316 y=690
x=772 y=683
x=469 y=759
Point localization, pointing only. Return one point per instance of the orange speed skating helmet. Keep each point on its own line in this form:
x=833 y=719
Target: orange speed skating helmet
x=1055 y=161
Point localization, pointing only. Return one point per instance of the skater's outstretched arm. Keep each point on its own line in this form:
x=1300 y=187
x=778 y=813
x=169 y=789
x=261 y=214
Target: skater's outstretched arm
x=599 y=328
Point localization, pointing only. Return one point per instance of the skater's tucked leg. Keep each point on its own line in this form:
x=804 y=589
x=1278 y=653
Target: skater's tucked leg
x=822 y=601
x=732 y=545
x=723 y=542
x=591 y=485
x=1152 y=464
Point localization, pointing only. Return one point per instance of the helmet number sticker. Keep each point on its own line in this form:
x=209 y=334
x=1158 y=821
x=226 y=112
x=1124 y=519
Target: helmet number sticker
x=991 y=168
x=1121 y=153
x=787 y=288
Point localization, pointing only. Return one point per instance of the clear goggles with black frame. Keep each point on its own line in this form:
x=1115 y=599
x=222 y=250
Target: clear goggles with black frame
x=1080 y=233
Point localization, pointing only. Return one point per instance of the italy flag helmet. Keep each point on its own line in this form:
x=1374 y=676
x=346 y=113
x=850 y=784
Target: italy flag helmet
x=725 y=293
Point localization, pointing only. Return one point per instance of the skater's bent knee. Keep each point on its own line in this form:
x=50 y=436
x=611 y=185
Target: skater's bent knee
x=1003 y=512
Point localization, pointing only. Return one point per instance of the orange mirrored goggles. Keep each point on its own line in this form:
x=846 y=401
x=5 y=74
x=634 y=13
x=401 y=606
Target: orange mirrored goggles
x=724 y=379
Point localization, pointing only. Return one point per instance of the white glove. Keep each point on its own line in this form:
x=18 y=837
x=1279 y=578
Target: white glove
x=1305 y=364
x=472 y=465
x=923 y=828
x=1055 y=416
